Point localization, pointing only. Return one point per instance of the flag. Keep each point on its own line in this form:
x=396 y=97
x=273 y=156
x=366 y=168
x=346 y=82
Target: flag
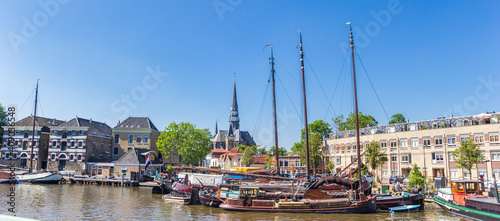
x=147 y=162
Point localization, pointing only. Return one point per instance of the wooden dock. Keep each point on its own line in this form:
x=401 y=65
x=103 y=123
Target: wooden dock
x=96 y=181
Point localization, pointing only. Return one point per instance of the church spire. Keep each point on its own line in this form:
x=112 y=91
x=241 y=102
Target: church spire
x=216 y=128
x=234 y=120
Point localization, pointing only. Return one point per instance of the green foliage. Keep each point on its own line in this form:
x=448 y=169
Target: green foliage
x=169 y=168
x=416 y=179
x=315 y=141
x=297 y=147
x=330 y=166
x=282 y=151
x=3 y=122
x=363 y=169
x=423 y=128
x=375 y=157
x=185 y=139
x=467 y=155
x=270 y=162
x=248 y=153
x=443 y=125
x=350 y=122
x=397 y=118
x=319 y=126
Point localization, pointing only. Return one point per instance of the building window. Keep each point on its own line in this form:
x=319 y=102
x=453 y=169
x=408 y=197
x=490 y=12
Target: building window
x=394 y=158
x=394 y=171
x=26 y=134
x=437 y=157
x=414 y=142
x=383 y=144
x=427 y=141
x=494 y=138
x=71 y=157
x=53 y=157
x=55 y=132
x=138 y=139
x=54 y=144
x=73 y=133
x=145 y=139
x=385 y=173
x=404 y=143
x=130 y=139
x=79 y=157
x=463 y=137
x=495 y=156
x=466 y=173
x=354 y=146
x=450 y=157
x=479 y=138
x=117 y=138
x=454 y=173
x=452 y=140
x=413 y=127
x=348 y=146
x=339 y=160
x=72 y=144
x=406 y=158
x=80 y=144
x=438 y=141
x=115 y=151
x=81 y=132
x=394 y=144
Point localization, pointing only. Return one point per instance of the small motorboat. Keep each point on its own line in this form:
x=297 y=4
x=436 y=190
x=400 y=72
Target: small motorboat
x=405 y=208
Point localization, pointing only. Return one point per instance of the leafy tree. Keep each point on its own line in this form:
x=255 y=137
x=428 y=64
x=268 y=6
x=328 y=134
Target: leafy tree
x=350 y=123
x=3 y=122
x=270 y=162
x=319 y=126
x=315 y=141
x=185 y=139
x=375 y=157
x=467 y=155
x=282 y=151
x=330 y=166
x=397 y=118
x=248 y=153
x=415 y=177
x=297 y=147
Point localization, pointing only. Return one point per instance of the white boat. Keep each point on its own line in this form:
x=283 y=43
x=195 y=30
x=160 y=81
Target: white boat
x=45 y=177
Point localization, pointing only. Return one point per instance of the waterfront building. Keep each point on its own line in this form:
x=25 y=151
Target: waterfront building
x=231 y=158
x=231 y=138
x=138 y=133
x=77 y=141
x=212 y=159
x=23 y=138
x=428 y=143
x=131 y=162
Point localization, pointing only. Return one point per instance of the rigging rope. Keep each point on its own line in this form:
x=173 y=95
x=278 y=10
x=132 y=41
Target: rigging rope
x=320 y=86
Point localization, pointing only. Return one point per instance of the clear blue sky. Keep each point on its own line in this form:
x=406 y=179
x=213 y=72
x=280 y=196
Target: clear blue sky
x=429 y=59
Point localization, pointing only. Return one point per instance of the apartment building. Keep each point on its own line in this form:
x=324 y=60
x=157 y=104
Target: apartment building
x=429 y=144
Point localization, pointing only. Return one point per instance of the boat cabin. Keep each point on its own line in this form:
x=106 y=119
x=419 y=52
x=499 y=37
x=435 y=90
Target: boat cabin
x=462 y=189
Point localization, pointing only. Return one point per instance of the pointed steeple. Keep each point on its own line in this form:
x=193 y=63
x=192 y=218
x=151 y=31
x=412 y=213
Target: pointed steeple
x=234 y=120
x=216 y=128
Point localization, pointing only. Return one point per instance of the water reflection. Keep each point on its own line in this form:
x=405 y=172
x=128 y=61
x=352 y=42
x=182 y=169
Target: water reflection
x=90 y=202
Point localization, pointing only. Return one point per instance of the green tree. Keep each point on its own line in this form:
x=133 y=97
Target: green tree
x=330 y=166
x=467 y=155
x=350 y=123
x=297 y=147
x=415 y=177
x=397 y=118
x=3 y=122
x=248 y=153
x=185 y=139
x=315 y=141
x=270 y=162
x=374 y=156
x=319 y=126
x=282 y=151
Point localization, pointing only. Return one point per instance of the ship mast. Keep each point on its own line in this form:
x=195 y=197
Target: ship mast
x=356 y=108
x=276 y=148
x=306 y=132
x=33 y=137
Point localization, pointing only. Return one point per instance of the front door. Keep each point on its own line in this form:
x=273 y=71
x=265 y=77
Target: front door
x=62 y=165
x=23 y=164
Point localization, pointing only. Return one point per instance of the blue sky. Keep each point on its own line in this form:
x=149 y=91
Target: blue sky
x=175 y=60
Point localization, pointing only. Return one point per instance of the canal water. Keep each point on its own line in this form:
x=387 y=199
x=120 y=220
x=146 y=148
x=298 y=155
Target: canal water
x=91 y=202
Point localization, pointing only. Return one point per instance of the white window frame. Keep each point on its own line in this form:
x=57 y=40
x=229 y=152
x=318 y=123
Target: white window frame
x=452 y=138
x=117 y=138
x=404 y=143
x=406 y=155
x=383 y=144
x=138 y=139
x=436 y=139
x=71 y=157
x=495 y=155
x=495 y=137
x=438 y=157
x=414 y=142
x=426 y=141
x=464 y=137
x=394 y=158
x=338 y=160
x=394 y=143
x=145 y=139
x=479 y=138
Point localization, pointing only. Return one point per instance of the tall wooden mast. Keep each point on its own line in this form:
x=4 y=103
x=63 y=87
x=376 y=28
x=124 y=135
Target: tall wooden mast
x=306 y=132
x=33 y=137
x=356 y=108
x=276 y=147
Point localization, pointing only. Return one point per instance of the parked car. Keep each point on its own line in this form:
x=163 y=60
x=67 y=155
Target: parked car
x=395 y=179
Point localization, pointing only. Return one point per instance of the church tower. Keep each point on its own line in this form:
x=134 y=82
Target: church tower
x=234 y=119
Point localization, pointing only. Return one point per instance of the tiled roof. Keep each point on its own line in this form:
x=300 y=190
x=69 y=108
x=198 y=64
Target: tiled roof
x=259 y=159
x=40 y=121
x=95 y=127
x=137 y=122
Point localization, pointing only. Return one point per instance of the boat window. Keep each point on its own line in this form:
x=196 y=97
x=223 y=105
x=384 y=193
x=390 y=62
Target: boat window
x=460 y=187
